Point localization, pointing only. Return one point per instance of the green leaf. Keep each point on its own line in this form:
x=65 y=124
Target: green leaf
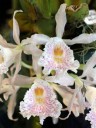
x=76 y=2
x=29 y=9
x=47 y=7
x=44 y=7
x=77 y=13
x=54 y=6
x=46 y=26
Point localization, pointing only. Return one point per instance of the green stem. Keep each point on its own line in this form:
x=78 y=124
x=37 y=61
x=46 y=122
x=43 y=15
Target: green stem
x=81 y=66
x=26 y=65
x=25 y=86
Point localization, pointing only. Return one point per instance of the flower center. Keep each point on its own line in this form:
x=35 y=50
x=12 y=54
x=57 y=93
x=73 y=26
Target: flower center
x=1 y=59
x=39 y=92
x=58 y=52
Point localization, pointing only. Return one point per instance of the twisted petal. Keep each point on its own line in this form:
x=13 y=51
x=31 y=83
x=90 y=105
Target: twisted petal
x=81 y=39
x=71 y=99
x=39 y=39
x=33 y=50
x=18 y=67
x=91 y=96
x=12 y=104
x=16 y=32
x=63 y=79
x=61 y=20
x=23 y=80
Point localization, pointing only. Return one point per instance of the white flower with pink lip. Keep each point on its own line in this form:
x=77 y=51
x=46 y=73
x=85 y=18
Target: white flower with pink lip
x=57 y=56
x=40 y=100
x=91 y=116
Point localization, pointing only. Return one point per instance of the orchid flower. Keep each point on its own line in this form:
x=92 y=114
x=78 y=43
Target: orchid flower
x=40 y=100
x=91 y=18
x=57 y=55
x=11 y=54
x=91 y=116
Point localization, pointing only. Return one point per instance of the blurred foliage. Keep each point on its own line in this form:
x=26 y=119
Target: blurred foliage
x=77 y=13
x=76 y=2
x=39 y=15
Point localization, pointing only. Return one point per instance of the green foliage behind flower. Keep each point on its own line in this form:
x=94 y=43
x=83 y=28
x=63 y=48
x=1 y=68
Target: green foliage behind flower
x=39 y=15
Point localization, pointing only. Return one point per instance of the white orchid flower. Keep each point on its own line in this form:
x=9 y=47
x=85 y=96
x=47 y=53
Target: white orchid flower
x=91 y=18
x=9 y=53
x=40 y=100
x=39 y=39
x=91 y=116
x=57 y=56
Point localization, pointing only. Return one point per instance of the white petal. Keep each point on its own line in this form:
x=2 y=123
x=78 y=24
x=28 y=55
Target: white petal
x=1 y=100
x=36 y=53
x=12 y=104
x=39 y=39
x=6 y=95
x=23 y=80
x=91 y=96
x=55 y=120
x=16 y=32
x=41 y=120
x=81 y=39
x=18 y=68
x=89 y=65
x=91 y=18
x=67 y=95
x=61 y=20
x=4 y=43
x=63 y=79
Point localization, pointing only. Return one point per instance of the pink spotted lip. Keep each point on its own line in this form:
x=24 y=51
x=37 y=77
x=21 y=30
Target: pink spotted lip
x=57 y=56
x=40 y=100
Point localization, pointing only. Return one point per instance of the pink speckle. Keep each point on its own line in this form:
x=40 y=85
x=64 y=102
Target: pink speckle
x=91 y=116
x=61 y=59
x=40 y=100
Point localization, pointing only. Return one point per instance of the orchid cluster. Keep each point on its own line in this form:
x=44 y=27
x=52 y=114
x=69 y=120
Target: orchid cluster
x=55 y=71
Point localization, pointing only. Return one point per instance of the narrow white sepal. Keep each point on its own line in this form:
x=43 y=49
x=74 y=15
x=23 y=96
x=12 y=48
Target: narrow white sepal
x=61 y=20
